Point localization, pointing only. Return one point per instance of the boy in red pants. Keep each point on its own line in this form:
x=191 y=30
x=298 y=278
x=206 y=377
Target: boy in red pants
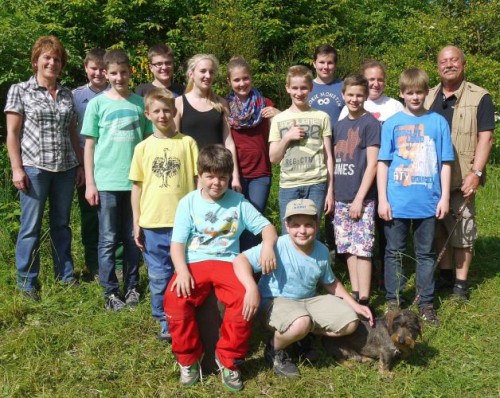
x=208 y=224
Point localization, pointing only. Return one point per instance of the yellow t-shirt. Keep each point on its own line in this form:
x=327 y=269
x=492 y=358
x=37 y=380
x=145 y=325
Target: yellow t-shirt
x=304 y=160
x=166 y=167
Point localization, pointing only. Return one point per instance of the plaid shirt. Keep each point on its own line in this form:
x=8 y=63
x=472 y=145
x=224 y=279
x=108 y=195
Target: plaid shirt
x=45 y=138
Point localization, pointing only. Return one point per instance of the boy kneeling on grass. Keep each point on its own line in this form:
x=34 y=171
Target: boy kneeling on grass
x=290 y=305
x=205 y=240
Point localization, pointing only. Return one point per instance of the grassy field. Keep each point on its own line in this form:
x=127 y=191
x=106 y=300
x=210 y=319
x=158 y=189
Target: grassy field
x=67 y=345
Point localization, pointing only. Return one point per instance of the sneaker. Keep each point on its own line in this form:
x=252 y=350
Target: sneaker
x=132 y=297
x=31 y=294
x=428 y=314
x=280 y=361
x=114 y=303
x=304 y=349
x=230 y=378
x=190 y=374
x=164 y=334
x=460 y=292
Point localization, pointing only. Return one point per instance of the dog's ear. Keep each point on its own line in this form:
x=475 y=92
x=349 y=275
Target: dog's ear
x=389 y=318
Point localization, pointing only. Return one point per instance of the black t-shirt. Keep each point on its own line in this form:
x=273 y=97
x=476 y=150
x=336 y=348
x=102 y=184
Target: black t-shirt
x=142 y=89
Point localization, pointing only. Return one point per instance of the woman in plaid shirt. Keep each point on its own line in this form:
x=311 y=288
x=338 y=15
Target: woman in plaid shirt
x=44 y=154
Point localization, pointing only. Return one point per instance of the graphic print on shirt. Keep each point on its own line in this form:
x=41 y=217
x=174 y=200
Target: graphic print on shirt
x=166 y=167
x=216 y=229
x=419 y=151
x=122 y=124
x=345 y=151
x=301 y=155
x=346 y=148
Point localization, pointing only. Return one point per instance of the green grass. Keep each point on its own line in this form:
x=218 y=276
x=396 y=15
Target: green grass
x=69 y=346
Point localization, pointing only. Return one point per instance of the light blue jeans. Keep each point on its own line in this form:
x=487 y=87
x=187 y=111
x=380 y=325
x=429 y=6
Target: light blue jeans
x=115 y=225
x=316 y=193
x=58 y=188
x=160 y=267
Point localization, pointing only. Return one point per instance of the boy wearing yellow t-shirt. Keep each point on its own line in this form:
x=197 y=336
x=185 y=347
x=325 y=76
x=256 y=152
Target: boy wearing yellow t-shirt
x=163 y=171
x=300 y=141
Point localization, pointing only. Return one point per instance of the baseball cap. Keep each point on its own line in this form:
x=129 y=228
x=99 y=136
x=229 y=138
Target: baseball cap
x=301 y=206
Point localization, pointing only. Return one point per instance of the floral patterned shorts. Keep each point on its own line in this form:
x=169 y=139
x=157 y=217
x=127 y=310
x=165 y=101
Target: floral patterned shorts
x=355 y=236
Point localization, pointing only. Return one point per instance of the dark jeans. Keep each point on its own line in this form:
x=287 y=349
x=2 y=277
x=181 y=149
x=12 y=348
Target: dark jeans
x=396 y=233
x=116 y=224
x=256 y=190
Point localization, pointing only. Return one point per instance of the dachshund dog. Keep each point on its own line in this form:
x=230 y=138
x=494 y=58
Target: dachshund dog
x=393 y=335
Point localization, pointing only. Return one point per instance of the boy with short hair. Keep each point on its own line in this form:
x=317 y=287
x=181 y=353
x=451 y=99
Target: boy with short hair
x=413 y=179
x=300 y=140
x=205 y=241
x=356 y=145
x=163 y=171
x=326 y=95
x=161 y=64
x=113 y=124
x=97 y=85
x=291 y=307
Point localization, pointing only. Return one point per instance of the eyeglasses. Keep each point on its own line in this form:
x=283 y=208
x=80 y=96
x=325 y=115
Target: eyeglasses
x=166 y=64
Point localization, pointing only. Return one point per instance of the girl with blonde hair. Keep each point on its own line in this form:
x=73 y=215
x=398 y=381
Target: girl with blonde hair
x=201 y=113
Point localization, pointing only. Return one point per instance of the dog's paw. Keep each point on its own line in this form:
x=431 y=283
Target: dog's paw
x=386 y=375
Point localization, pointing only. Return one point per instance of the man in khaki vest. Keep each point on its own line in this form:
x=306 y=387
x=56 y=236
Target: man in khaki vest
x=470 y=114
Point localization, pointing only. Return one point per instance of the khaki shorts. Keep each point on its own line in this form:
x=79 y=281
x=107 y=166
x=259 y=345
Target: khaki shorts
x=327 y=313
x=465 y=233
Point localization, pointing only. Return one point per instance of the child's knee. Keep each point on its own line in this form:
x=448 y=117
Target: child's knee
x=349 y=328
x=301 y=326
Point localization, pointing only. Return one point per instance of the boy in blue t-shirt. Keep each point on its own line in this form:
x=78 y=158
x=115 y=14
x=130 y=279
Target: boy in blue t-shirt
x=326 y=95
x=413 y=179
x=290 y=305
x=205 y=240
x=97 y=85
x=114 y=123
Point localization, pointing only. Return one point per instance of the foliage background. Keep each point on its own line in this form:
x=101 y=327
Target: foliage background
x=68 y=346
x=271 y=34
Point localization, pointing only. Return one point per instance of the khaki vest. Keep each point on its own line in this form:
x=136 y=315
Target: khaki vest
x=463 y=128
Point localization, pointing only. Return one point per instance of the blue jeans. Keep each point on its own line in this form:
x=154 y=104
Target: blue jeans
x=315 y=192
x=115 y=225
x=58 y=188
x=160 y=267
x=396 y=233
x=256 y=190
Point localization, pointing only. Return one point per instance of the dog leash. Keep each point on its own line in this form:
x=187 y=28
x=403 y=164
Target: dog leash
x=458 y=218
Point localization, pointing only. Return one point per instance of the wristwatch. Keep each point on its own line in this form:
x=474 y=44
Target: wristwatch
x=479 y=173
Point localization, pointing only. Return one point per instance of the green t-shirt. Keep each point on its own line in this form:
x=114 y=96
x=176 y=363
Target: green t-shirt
x=118 y=125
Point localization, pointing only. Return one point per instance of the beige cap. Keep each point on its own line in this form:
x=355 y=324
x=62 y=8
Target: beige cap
x=301 y=206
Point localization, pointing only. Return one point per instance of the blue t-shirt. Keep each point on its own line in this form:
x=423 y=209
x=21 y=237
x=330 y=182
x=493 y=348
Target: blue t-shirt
x=211 y=230
x=296 y=275
x=81 y=96
x=328 y=98
x=415 y=148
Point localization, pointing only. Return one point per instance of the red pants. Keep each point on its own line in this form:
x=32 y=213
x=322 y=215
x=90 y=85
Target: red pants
x=235 y=330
